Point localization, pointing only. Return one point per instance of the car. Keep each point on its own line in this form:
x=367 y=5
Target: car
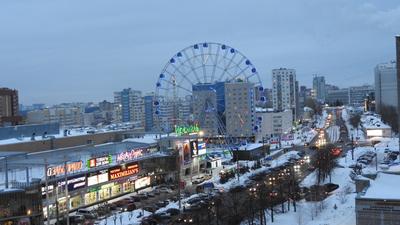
x=149 y=209
x=135 y=198
x=149 y=221
x=130 y=207
x=165 y=190
x=162 y=216
x=151 y=195
x=75 y=219
x=173 y=211
x=161 y=204
x=329 y=187
x=143 y=196
x=363 y=161
x=88 y=214
x=238 y=188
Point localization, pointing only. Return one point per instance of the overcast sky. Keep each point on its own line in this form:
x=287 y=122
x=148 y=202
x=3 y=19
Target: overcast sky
x=70 y=50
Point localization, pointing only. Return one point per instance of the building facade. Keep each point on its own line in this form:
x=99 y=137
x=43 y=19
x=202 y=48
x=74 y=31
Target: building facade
x=358 y=94
x=274 y=123
x=385 y=85
x=284 y=89
x=148 y=112
x=65 y=116
x=239 y=109
x=9 y=112
x=131 y=106
x=319 y=89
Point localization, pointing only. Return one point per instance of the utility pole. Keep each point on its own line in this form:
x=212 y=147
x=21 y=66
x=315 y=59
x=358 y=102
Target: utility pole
x=66 y=190
x=6 y=170
x=47 y=191
x=376 y=160
x=352 y=147
x=398 y=76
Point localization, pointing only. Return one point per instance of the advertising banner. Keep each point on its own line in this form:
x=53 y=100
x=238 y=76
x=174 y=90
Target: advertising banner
x=142 y=182
x=194 y=148
x=186 y=153
x=123 y=171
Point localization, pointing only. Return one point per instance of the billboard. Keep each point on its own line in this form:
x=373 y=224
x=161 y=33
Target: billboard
x=201 y=148
x=73 y=183
x=99 y=161
x=374 y=133
x=186 y=153
x=194 y=148
x=123 y=171
x=97 y=178
x=60 y=169
x=142 y=182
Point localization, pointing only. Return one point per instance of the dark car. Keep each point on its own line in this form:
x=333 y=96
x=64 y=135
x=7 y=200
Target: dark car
x=149 y=209
x=130 y=207
x=237 y=189
x=173 y=211
x=329 y=187
x=135 y=198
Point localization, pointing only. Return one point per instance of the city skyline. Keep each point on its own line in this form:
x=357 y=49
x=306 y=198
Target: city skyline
x=82 y=56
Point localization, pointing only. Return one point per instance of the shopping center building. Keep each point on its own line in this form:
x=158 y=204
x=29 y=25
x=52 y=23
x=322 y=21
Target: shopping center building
x=86 y=175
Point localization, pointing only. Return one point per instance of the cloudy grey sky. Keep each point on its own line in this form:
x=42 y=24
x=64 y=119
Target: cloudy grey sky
x=70 y=50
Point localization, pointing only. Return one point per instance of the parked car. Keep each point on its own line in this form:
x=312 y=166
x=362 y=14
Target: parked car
x=88 y=214
x=173 y=211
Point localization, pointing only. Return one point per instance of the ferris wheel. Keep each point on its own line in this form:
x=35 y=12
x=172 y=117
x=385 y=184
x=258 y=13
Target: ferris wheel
x=199 y=64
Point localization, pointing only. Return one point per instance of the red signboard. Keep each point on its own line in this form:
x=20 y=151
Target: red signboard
x=123 y=171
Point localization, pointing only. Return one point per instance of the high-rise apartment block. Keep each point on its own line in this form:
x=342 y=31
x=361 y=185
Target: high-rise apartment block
x=319 y=89
x=385 y=85
x=284 y=94
x=130 y=106
x=239 y=109
x=9 y=114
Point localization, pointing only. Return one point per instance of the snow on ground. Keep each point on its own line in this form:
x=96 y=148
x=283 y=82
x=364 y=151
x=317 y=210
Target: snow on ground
x=333 y=133
x=356 y=133
x=343 y=197
x=322 y=119
x=134 y=217
x=310 y=213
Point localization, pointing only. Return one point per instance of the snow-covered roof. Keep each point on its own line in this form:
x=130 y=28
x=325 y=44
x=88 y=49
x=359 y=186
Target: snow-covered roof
x=373 y=122
x=250 y=146
x=148 y=139
x=385 y=186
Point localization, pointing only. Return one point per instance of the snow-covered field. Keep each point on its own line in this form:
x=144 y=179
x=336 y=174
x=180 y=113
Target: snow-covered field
x=356 y=133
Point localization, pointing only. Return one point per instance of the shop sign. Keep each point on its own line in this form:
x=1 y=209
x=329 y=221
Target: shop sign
x=202 y=148
x=99 y=161
x=123 y=171
x=130 y=155
x=98 y=178
x=142 y=182
x=50 y=189
x=194 y=148
x=60 y=169
x=184 y=130
x=74 y=183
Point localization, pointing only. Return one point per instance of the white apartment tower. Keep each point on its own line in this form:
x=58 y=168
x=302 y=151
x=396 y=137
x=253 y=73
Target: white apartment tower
x=385 y=85
x=284 y=92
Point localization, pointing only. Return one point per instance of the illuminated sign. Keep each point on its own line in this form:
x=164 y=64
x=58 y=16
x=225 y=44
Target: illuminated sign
x=142 y=182
x=182 y=130
x=99 y=161
x=97 y=178
x=201 y=148
x=374 y=133
x=73 y=183
x=123 y=171
x=194 y=148
x=60 y=170
x=130 y=155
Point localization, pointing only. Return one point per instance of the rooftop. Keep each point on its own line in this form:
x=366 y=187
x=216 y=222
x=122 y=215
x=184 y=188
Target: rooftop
x=385 y=186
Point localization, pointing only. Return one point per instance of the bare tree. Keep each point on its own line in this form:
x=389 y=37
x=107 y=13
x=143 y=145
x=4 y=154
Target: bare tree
x=324 y=163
